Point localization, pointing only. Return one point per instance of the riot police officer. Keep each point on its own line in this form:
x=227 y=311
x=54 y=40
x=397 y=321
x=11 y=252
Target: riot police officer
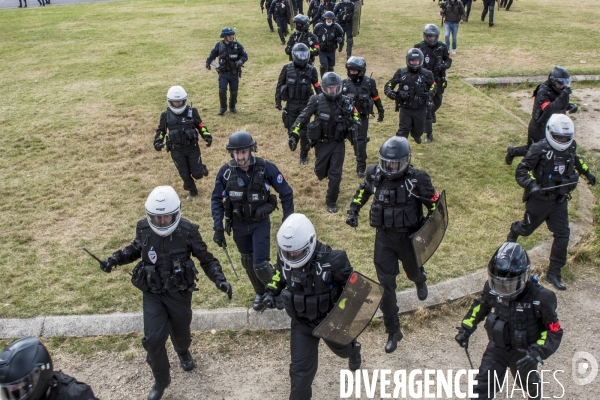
x=167 y=277
x=437 y=60
x=267 y=4
x=362 y=90
x=294 y=87
x=523 y=328
x=313 y=9
x=310 y=277
x=231 y=56
x=322 y=7
x=396 y=213
x=180 y=124
x=281 y=12
x=549 y=173
x=415 y=92
x=330 y=36
x=344 y=13
x=551 y=97
x=336 y=119
x=242 y=197
x=27 y=372
x=302 y=35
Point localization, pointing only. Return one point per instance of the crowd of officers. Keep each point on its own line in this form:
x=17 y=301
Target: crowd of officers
x=309 y=276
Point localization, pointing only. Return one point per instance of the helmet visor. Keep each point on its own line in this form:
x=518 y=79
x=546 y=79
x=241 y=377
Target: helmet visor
x=561 y=137
x=507 y=286
x=332 y=91
x=564 y=82
x=300 y=55
x=176 y=103
x=393 y=167
x=22 y=388
x=295 y=256
x=163 y=221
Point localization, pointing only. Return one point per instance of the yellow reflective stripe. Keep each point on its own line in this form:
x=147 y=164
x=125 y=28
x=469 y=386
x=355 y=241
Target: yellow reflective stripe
x=161 y=135
x=389 y=84
x=542 y=340
x=275 y=280
x=469 y=322
x=296 y=129
x=205 y=132
x=531 y=175
x=358 y=198
x=583 y=165
x=433 y=207
x=355 y=116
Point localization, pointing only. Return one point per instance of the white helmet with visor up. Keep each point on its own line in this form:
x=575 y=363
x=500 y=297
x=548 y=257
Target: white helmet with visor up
x=296 y=240
x=163 y=209
x=177 y=94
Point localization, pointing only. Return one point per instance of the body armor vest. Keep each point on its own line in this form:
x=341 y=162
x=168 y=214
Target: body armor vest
x=326 y=36
x=181 y=128
x=166 y=264
x=344 y=14
x=280 y=8
x=412 y=92
x=311 y=291
x=515 y=324
x=393 y=206
x=433 y=57
x=333 y=123
x=360 y=95
x=229 y=54
x=297 y=85
x=557 y=168
x=537 y=112
x=244 y=200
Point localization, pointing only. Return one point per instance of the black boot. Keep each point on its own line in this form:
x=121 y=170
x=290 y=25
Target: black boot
x=392 y=343
x=223 y=101
x=270 y=25
x=355 y=360
x=281 y=37
x=512 y=236
x=158 y=390
x=429 y=138
x=422 y=291
x=232 y=102
x=258 y=305
x=556 y=282
x=508 y=159
x=323 y=70
x=186 y=361
x=468 y=12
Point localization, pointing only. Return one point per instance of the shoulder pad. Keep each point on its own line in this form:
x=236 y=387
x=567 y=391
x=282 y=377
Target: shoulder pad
x=337 y=258
x=186 y=224
x=371 y=170
x=143 y=224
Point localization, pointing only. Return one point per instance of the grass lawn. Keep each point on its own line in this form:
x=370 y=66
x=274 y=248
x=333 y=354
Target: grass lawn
x=83 y=87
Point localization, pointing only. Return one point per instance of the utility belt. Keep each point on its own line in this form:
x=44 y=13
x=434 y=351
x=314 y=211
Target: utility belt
x=181 y=146
x=317 y=131
x=238 y=212
x=309 y=307
x=401 y=219
x=150 y=277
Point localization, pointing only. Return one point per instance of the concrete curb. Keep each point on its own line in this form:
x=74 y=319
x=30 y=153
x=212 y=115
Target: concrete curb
x=516 y=80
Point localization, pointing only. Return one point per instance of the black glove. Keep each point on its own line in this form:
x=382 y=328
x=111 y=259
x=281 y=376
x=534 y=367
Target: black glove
x=572 y=108
x=219 y=238
x=530 y=360
x=391 y=94
x=567 y=90
x=380 y=116
x=293 y=142
x=278 y=106
x=269 y=300
x=207 y=139
x=462 y=338
x=534 y=187
x=225 y=287
x=108 y=264
x=339 y=39
x=208 y=67
x=340 y=48
x=403 y=94
x=591 y=178
x=263 y=211
x=239 y=64
x=352 y=218
x=158 y=146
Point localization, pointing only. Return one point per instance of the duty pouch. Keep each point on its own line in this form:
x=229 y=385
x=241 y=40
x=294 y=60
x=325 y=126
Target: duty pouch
x=299 y=306
x=313 y=130
x=284 y=93
x=376 y=216
x=153 y=279
x=312 y=307
x=285 y=119
x=288 y=303
x=388 y=217
x=341 y=130
x=572 y=180
x=365 y=104
x=497 y=331
x=138 y=277
x=324 y=303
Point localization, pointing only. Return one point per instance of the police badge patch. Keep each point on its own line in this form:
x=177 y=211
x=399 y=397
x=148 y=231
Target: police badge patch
x=152 y=255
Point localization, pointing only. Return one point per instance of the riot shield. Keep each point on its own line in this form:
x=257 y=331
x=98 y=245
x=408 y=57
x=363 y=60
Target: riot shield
x=353 y=311
x=356 y=18
x=290 y=6
x=427 y=239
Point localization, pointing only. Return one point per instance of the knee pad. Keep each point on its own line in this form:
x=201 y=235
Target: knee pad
x=264 y=272
x=247 y=262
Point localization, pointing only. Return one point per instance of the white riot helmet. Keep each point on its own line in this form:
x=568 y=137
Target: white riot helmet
x=297 y=240
x=560 y=131
x=177 y=93
x=163 y=209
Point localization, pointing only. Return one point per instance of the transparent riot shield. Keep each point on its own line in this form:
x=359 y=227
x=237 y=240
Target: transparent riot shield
x=427 y=239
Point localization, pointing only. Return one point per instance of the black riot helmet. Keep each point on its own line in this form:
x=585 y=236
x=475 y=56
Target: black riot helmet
x=301 y=22
x=394 y=157
x=508 y=271
x=25 y=370
x=431 y=30
x=356 y=64
x=328 y=15
x=331 y=83
x=411 y=57
x=300 y=54
x=559 y=76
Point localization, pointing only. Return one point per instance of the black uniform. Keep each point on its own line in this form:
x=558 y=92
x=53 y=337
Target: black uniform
x=415 y=91
x=396 y=213
x=282 y=14
x=321 y=8
x=548 y=167
x=313 y=9
x=231 y=58
x=330 y=37
x=267 y=4
x=528 y=322
x=298 y=6
x=64 y=387
x=364 y=94
x=295 y=88
x=167 y=277
x=437 y=60
x=182 y=142
x=335 y=120
x=344 y=12
x=309 y=294
x=243 y=199
x=309 y=39
x=488 y=5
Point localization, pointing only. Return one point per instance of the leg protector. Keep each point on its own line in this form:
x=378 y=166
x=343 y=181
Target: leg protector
x=233 y=101
x=222 y=101
x=323 y=70
x=264 y=272
x=247 y=263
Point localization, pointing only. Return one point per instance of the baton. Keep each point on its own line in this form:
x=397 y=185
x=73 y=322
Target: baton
x=237 y=278
x=557 y=186
x=93 y=256
x=469 y=357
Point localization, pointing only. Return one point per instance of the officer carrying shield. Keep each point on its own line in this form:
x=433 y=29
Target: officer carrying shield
x=310 y=277
x=167 y=277
x=396 y=212
x=242 y=197
x=523 y=328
